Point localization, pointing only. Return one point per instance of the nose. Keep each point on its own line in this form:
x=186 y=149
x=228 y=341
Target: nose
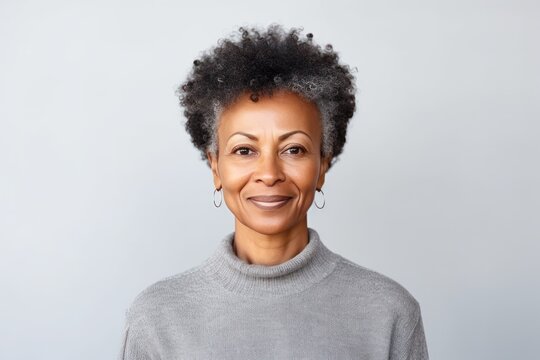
x=269 y=169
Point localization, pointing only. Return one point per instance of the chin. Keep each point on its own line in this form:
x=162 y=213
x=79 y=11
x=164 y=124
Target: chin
x=268 y=227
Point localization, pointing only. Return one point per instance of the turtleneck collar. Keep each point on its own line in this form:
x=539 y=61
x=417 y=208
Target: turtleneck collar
x=308 y=267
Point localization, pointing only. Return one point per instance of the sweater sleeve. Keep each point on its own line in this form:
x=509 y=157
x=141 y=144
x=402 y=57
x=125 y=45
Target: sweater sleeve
x=134 y=343
x=412 y=345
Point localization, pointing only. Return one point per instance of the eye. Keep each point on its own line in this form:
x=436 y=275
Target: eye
x=296 y=150
x=242 y=150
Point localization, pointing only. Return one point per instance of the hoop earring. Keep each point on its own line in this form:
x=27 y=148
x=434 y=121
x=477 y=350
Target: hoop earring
x=324 y=201
x=220 y=199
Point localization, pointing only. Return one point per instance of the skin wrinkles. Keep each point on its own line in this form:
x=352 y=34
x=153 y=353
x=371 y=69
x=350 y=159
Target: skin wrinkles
x=281 y=137
x=272 y=147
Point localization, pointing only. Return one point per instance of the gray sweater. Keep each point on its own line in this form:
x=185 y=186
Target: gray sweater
x=317 y=305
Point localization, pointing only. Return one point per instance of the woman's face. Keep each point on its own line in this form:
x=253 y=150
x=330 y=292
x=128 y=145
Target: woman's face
x=269 y=163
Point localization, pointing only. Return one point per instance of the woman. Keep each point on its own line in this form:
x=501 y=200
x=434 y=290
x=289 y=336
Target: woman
x=269 y=113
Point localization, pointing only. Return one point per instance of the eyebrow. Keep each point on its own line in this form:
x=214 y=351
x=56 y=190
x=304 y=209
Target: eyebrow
x=280 y=138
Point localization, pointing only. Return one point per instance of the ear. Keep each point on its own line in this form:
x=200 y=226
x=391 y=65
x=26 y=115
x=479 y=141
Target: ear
x=325 y=164
x=213 y=161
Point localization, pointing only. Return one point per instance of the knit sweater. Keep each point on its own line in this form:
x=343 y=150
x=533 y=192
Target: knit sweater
x=316 y=305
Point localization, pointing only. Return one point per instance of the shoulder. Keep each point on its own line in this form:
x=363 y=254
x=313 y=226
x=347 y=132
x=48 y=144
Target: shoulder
x=154 y=300
x=375 y=289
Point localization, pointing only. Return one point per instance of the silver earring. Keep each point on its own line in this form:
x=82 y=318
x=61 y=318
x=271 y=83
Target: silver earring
x=220 y=198
x=324 y=201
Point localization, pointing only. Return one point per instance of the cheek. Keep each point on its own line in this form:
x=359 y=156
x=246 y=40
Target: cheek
x=233 y=178
x=304 y=177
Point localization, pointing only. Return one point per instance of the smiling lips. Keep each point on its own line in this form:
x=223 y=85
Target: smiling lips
x=269 y=202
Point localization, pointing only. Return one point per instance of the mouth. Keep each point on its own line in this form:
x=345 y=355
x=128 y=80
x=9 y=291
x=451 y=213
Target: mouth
x=269 y=202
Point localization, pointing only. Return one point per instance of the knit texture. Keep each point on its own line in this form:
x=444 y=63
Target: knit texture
x=317 y=305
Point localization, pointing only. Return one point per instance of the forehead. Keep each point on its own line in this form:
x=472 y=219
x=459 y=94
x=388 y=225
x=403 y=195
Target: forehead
x=284 y=111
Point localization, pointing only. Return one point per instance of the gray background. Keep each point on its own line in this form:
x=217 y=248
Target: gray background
x=102 y=194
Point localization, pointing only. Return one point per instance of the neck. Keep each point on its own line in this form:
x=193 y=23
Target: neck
x=308 y=267
x=269 y=249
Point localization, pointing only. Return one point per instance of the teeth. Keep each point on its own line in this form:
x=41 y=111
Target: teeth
x=269 y=202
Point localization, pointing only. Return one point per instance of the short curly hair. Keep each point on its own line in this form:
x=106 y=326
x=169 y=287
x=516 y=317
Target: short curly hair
x=261 y=62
